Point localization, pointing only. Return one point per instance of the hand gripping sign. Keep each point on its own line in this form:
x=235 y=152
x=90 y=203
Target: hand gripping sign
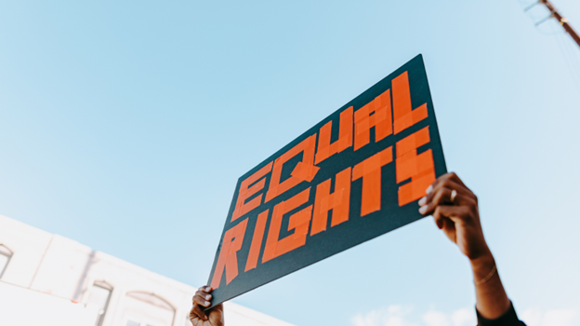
x=354 y=176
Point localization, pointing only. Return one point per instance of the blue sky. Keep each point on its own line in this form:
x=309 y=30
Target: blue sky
x=125 y=126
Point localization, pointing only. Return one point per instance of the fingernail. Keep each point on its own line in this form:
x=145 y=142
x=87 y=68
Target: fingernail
x=423 y=209
x=423 y=201
x=206 y=303
x=429 y=189
x=207 y=297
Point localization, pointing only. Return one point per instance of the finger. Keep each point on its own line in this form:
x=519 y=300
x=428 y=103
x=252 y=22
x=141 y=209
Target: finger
x=465 y=193
x=440 y=179
x=453 y=213
x=451 y=176
x=205 y=288
x=206 y=296
x=448 y=227
x=450 y=184
x=443 y=196
x=440 y=220
x=454 y=177
x=196 y=311
x=439 y=197
x=445 y=224
x=200 y=299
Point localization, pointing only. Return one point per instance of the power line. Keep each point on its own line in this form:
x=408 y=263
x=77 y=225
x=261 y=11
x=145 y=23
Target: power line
x=554 y=13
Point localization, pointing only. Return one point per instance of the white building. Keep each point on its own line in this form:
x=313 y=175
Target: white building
x=47 y=279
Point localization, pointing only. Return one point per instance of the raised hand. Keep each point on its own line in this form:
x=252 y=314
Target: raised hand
x=212 y=317
x=455 y=210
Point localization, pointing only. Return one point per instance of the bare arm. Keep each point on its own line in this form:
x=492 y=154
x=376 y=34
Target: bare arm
x=455 y=210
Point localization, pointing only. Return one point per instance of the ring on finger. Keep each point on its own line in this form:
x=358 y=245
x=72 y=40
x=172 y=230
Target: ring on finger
x=453 y=195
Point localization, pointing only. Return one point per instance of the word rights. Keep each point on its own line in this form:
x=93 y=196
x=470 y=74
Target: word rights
x=354 y=176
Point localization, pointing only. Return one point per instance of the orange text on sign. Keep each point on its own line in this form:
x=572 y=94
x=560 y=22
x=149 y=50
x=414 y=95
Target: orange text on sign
x=389 y=113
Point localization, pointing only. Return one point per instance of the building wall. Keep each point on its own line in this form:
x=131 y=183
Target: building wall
x=47 y=267
x=22 y=306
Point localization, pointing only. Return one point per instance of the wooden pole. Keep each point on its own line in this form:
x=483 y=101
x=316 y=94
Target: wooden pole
x=563 y=21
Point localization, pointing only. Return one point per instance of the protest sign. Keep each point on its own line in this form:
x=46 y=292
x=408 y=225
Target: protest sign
x=352 y=177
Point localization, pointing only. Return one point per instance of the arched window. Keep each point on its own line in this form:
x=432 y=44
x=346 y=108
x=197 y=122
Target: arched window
x=5 y=255
x=99 y=296
x=147 y=309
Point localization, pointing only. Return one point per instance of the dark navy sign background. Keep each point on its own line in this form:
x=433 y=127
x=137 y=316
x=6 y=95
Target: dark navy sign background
x=354 y=176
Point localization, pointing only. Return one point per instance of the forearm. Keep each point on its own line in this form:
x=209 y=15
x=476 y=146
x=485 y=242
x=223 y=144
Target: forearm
x=455 y=210
x=492 y=300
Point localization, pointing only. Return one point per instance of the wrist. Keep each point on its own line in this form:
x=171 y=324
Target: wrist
x=492 y=300
x=482 y=266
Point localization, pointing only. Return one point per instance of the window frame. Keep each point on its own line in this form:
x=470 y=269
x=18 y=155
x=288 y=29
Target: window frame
x=6 y=252
x=144 y=321
x=103 y=285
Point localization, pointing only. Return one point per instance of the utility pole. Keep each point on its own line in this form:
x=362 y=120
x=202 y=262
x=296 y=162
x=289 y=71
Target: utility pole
x=563 y=21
